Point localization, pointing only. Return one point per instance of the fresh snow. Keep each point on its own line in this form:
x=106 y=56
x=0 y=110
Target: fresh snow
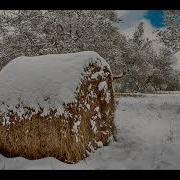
x=43 y=82
x=148 y=137
x=102 y=85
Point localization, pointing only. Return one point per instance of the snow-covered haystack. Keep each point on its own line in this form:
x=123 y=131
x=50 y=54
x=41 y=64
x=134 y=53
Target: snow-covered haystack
x=58 y=105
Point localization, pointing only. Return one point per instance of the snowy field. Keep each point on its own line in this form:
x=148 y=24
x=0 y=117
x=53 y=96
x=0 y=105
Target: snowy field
x=148 y=137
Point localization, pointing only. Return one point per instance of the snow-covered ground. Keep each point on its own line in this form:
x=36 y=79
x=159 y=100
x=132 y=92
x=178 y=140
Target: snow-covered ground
x=148 y=137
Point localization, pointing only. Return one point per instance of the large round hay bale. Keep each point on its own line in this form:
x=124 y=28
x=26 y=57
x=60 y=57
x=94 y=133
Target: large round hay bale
x=59 y=105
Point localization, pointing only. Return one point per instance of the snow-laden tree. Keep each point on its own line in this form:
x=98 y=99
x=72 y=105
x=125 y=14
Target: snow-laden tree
x=146 y=69
x=170 y=36
x=164 y=76
x=36 y=32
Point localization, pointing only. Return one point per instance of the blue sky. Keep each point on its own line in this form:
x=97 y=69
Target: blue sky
x=132 y=17
x=155 y=17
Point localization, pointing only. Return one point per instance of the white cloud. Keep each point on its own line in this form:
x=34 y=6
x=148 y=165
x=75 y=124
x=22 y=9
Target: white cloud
x=121 y=12
x=130 y=17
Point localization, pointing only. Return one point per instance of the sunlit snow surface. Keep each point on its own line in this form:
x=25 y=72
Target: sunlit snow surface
x=148 y=138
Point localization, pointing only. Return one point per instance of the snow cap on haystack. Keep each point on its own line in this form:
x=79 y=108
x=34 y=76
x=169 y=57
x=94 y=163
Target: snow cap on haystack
x=43 y=82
